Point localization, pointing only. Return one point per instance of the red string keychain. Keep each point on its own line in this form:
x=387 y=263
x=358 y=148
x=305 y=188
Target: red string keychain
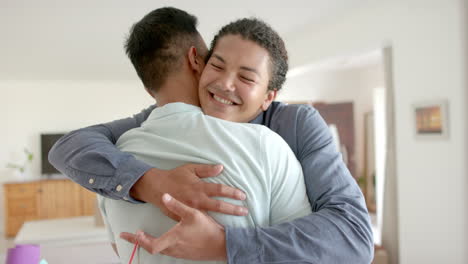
x=133 y=253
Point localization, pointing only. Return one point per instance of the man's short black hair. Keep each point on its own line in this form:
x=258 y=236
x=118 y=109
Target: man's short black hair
x=261 y=33
x=158 y=42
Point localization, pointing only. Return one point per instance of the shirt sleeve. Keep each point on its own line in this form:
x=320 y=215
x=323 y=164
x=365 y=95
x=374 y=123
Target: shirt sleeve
x=337 y=231
x=89 y=157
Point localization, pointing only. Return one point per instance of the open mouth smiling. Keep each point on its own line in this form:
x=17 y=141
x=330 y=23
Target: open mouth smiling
x=222 y=100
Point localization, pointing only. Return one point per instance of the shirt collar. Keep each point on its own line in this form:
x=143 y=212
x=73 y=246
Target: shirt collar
x=173 y=108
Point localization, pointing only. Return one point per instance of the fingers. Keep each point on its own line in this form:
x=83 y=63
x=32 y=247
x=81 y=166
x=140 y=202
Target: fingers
x=224 y=207
x=177 y=207
x=221 y=190
x=205 y=170
x=213 y=189
x=156 y=245
x=170 y=214
x=151 y=244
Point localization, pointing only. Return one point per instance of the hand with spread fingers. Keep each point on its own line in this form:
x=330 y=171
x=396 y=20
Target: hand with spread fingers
x=185 y=184
x=196 y=237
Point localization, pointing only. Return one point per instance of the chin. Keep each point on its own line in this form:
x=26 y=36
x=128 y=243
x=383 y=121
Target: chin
x=220 y=116
x=212 y=113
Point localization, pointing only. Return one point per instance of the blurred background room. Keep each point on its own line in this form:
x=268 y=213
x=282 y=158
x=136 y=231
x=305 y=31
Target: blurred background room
x=389 y=77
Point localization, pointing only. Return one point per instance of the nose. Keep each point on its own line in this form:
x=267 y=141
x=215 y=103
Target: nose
x=227 y=82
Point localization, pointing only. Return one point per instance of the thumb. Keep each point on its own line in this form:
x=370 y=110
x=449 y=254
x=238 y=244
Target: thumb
x=205 y=170
x=177 y=207
x=131 y=238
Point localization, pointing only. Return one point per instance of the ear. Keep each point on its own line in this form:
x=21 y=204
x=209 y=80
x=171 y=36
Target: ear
x=194 y=60
x=270 y=96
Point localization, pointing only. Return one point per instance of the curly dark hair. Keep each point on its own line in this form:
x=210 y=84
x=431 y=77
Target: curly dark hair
x=258 y=31
x=158 y=42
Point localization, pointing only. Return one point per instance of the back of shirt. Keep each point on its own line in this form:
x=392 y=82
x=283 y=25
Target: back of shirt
x=255 y=160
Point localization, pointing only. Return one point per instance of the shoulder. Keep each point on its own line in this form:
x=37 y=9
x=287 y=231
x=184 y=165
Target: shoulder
x=230 y=125
x=300 y=125
x=290 y=115
x=136 y=134
x=246 y=132
x=279 y=109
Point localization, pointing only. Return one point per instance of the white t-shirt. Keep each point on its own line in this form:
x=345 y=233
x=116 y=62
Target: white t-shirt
x=255 y=159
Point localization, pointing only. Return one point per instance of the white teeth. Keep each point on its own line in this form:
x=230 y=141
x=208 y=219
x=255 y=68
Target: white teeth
x=221 y=100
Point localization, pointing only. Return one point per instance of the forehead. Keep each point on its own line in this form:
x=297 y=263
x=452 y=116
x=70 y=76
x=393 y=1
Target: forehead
x=242 y=52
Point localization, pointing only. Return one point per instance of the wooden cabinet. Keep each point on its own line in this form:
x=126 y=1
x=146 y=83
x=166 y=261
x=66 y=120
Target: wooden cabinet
x=44 y=199
x=59 y=199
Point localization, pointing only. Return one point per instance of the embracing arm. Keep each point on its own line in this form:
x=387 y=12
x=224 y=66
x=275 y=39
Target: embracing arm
x=89 y=157
x=338 y=230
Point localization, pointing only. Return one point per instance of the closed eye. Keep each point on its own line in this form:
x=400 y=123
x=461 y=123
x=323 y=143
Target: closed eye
x=216 y=66
x=247 y=79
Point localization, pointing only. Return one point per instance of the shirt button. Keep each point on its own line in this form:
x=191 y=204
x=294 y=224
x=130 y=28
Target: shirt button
x=91 y=181
x=119 y=188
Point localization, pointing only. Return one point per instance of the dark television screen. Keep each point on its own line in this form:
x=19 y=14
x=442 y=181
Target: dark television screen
x=47 y=141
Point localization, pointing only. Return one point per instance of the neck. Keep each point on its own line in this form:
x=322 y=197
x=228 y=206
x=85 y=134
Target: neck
x=178 y=90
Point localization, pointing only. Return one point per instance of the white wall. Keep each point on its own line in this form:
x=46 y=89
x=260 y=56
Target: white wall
x=464 y=34
x=29 y=108
x=427 y=38
x=353 y=84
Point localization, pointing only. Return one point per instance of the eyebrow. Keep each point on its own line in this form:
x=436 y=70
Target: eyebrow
x=242 y=67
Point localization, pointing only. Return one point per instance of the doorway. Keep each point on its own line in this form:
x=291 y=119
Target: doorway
x=364 y=81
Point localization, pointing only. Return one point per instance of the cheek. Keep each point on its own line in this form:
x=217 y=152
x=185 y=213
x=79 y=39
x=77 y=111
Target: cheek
x=250 y=94
x=203 y=79
x=208 y=76
x=201 y=83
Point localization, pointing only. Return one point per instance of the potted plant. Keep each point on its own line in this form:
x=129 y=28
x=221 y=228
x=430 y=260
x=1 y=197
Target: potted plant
x=21 y=168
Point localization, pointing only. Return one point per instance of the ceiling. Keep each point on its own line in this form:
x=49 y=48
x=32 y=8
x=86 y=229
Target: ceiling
x=373 y=58
x=83 y=40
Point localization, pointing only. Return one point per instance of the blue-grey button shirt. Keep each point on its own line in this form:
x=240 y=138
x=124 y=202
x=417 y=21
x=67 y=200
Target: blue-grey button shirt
x=337 y=231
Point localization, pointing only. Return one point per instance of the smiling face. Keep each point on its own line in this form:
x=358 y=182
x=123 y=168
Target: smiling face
x=234 y=83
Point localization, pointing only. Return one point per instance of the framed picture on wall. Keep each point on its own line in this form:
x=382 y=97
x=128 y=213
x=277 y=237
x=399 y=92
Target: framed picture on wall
x=431 y=119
